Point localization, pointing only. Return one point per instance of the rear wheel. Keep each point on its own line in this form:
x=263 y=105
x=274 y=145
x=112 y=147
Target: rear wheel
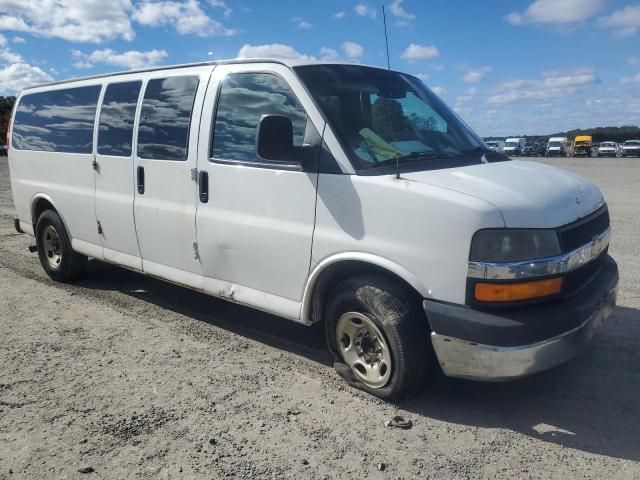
x=379 y=337
x=57 y=257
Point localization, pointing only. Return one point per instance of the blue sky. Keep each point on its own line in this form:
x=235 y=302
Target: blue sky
x=508 y=67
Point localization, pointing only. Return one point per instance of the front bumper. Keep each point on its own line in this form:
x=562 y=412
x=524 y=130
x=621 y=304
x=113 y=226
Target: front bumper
x=507 y=344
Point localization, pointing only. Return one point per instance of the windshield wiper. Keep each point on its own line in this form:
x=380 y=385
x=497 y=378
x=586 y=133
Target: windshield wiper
x=476 y=150
x=425 y=155
x=411 y=157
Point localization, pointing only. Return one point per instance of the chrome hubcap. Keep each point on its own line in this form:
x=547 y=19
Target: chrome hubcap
x=52 y=247
x=364 y=349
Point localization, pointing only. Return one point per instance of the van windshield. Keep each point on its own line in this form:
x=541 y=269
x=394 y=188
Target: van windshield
x=383 y=117
x=511 y=144
x=555 y=144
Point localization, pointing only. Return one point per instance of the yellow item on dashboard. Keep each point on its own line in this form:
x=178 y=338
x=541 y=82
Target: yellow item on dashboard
x=378 y=145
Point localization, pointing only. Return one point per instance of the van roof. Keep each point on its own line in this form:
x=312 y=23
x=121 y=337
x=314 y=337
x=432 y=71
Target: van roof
x=287 y=62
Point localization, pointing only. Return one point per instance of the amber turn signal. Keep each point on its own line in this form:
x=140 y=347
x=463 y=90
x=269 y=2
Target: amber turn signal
x=511 y=292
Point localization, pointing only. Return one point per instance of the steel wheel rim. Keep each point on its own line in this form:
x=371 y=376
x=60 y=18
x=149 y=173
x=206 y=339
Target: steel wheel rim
x=52 y=247
x=364 y=349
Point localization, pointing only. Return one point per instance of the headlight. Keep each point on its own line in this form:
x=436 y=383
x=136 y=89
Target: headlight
x=504 y=245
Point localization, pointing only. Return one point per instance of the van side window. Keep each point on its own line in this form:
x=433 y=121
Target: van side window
x=117 y=115
x=243 y=99
x=165 y=118
x=57 y=120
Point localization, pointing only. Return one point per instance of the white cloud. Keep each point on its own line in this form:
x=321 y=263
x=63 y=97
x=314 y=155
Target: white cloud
x=633 y=61
x=329 y=54
x=19 y=75
x=340 y=14
x=397 y=10
x=132 y=59
x=6 y=55
x=422 y=76
x=475 y=75
x=9 y=56
x=415 y=53
x=440 y=91
x=557 y=11
x=301 y=23
x=624 y=22
x=633 y=79
x=272 y=50
x=365 y=10
x=468 y=95
x=352 y=50
x=226 y=11
x=17 y=39
x=88 y=21
x=553 y=84
x=186 y=17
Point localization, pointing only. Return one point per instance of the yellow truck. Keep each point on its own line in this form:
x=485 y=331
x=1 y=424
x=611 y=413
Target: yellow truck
x=582 y=146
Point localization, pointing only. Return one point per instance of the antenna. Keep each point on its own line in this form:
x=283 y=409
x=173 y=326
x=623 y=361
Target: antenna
x=386 y=37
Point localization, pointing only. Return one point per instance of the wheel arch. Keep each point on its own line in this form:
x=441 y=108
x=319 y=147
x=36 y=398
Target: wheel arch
x=40 y=203
x=338 y=267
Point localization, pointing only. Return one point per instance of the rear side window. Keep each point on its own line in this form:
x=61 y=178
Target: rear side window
x=244 y=99
x=165 y=118
x=57 y=120
x=117 y=116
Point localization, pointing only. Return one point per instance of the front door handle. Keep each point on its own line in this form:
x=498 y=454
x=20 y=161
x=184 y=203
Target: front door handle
x=140 y=180
x=203 y=186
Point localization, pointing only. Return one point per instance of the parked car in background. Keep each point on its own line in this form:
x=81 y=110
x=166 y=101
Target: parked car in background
x=495 y=145
x=608 y=149
x=505 y=274
x=533 y=151
x=514 y=146
x=3 y=150
x=582 y=146
x=631 y=148
x=528 y=151
x=540 y=150
x=557 y=147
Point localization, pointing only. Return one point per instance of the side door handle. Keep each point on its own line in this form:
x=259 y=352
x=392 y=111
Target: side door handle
x=203 y=186
x=140 y=180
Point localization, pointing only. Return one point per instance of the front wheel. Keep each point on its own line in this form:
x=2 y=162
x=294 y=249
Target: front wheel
x=379 y=337
x=57 y=257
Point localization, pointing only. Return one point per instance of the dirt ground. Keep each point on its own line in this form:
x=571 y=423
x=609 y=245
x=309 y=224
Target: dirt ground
x=134 y=378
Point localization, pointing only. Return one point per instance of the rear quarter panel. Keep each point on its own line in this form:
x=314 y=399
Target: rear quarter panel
x=66 y=179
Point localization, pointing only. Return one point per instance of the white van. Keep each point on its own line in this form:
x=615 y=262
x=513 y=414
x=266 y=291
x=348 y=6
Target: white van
x=557 y=147
x=495 y=145
x=514 y=146
x=341 y=194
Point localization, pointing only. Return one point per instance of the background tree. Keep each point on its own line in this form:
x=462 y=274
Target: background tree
x=6 y=106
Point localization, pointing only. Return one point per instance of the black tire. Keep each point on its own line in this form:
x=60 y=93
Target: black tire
x=399 y=317
x=72 y=265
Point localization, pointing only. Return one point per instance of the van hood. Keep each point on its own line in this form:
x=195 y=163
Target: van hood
x=527 y=194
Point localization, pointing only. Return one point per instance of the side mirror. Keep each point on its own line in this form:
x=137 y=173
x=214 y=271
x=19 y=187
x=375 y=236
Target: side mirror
x=275 y=138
